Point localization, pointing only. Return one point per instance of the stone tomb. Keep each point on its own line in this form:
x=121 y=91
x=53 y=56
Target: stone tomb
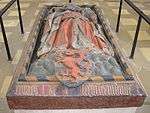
x=28 y=92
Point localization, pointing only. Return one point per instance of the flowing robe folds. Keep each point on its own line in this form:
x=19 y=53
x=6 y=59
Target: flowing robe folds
x=73 y=49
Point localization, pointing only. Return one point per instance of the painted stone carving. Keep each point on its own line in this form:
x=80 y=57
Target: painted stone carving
x=73 y=49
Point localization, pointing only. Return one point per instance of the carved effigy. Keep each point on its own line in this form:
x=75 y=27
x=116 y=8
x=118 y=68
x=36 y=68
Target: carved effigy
x=74 y=49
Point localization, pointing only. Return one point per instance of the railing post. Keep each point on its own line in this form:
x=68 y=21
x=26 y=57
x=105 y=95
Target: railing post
x=20 y=18
x=136 y=37
x=119 y=15
x=5 y=39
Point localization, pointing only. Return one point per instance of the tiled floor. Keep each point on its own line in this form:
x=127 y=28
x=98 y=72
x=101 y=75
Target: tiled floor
x=116 y=110
x=30 y=9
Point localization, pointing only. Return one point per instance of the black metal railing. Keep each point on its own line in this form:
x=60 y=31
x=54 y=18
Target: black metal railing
x=141 y=16
x=70 y=1
x=9 y=4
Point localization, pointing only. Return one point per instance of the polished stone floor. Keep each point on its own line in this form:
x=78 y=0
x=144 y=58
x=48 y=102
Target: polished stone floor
x=30 y=9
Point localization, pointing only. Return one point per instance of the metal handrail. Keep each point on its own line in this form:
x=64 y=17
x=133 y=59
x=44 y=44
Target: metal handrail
x=6 y=7
x=3 y=10
x=141 y=16
x=140 y=12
